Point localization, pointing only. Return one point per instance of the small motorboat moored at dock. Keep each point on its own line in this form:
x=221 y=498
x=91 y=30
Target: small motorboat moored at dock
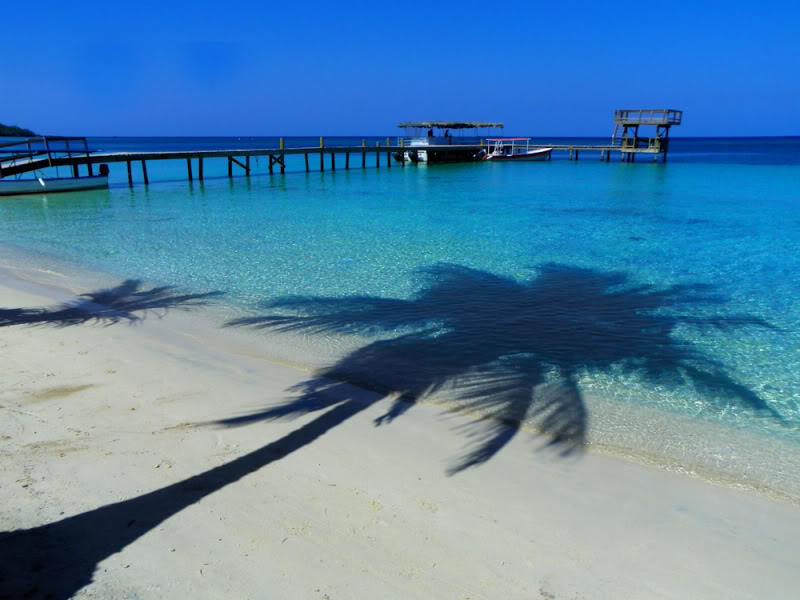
x=515 y=149
x=39 y=157
x=42 y=185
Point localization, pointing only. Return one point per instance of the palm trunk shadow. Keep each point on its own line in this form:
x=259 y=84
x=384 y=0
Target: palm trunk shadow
x=56 y=560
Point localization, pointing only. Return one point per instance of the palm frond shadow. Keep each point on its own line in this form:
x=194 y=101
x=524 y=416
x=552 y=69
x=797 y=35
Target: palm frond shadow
x=128 y=302
x=510 y=351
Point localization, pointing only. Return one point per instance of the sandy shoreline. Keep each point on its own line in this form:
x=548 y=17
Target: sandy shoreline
x=107 y=436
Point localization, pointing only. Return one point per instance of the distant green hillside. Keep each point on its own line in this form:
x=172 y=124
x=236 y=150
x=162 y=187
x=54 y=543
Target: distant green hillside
x=13 y=131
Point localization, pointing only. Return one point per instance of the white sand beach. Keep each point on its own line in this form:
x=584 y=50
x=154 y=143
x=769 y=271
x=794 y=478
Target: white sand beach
x=117 y=482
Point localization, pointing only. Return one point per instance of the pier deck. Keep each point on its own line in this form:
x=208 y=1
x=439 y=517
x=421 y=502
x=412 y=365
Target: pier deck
x=16 y=162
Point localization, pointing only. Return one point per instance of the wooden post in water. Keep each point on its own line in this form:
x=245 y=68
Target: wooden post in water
x=346 y=160
x=321 y=155
x=576 y=154
x=247 y=165
x=363 y=155
x=271 y=162
x=402 y=153
x=377 y=155
x=388 y=154
x=189 y=167
x=144 y=172
x=230 y=167
x=283 y=157
x=306 y=161
x=130 y=177
x=570 y=153
x=333 y=161
x=200 y=168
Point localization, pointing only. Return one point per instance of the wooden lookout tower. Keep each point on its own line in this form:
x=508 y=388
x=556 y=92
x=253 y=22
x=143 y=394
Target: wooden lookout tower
x=627 y=122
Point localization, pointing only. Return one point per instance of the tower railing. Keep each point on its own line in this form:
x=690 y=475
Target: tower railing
x=648 y=117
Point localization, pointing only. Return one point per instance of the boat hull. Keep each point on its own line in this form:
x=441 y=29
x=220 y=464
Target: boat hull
x=15 y=187
x=533 y=155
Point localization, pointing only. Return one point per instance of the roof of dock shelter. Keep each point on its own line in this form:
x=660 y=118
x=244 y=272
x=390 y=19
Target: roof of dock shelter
x=451 y=124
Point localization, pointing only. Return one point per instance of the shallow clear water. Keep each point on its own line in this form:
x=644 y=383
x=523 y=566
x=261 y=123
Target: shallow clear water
x=552 y=259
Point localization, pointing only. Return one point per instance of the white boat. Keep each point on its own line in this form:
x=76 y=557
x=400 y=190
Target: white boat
x=41 y=185
x=515 y=149
x=35 y=156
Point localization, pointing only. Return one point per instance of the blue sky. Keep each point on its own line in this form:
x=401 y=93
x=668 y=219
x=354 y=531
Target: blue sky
x=352 y=67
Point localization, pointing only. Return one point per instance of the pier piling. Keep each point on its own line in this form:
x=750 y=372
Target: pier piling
x=377 y=155
x=200 y=168
x=130 y=176
x=363 y=155
x=321 y=155
x=189 y=168
x=144 y=172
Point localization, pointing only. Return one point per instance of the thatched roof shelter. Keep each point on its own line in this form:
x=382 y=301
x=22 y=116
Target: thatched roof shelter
x=450 y=124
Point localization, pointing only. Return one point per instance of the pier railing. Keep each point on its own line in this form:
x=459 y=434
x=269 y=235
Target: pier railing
x=34 y=150
x=651 y=143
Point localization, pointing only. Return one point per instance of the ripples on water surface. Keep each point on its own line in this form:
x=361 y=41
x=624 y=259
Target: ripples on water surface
x=672 y=286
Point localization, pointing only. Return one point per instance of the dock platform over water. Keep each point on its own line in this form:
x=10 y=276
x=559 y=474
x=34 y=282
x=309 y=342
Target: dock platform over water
x=35 y=154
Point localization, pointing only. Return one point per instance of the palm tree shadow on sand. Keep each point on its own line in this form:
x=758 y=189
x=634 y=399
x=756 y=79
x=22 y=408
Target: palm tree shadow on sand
x=510 y=351
x=128 y=302
x=494 y=342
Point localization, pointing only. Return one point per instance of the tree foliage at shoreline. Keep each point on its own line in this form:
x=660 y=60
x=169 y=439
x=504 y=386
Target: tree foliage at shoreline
x=14 y=131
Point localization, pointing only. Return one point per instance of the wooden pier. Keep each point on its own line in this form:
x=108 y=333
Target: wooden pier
x=238 y=160
x=35 y=154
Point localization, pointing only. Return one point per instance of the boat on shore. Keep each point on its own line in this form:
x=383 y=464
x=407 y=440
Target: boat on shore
x=515 y=149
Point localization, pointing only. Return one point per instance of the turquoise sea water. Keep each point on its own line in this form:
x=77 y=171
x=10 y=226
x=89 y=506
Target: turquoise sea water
x=672 y=286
